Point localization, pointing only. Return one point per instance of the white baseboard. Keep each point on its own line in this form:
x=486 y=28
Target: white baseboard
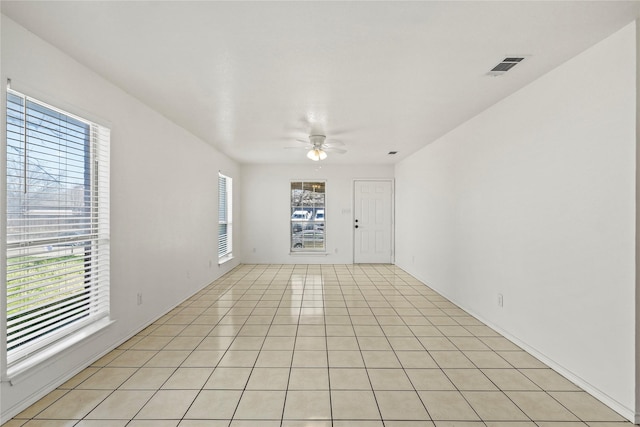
x=624 y=411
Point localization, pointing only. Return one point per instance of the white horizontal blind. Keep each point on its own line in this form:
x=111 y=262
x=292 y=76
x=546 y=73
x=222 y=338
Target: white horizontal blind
x=57 y=225
x=224 y=216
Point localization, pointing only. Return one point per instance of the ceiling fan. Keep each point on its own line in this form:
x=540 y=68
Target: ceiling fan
x=318 y=147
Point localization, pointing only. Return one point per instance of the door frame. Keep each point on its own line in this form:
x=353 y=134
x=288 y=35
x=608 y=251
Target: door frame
x=392 y=181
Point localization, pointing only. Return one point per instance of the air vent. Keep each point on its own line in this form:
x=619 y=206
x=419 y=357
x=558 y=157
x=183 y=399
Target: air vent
x=505 y=65
x=393 y=152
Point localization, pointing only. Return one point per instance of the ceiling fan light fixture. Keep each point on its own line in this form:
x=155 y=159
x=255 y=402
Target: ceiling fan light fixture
x=316 y=154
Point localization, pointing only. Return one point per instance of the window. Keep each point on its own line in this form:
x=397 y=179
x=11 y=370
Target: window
x=57 y=234
x=224 y=217
x=307 y=216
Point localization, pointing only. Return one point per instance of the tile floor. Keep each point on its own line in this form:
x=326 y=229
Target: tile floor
x=318 y=346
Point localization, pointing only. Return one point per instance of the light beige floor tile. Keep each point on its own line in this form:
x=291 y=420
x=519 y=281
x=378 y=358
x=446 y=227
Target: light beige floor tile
x=254 y=423
x=342 y=343
x=436 y=343
x=510 y=380
x=183 y=343
x=405 y=343
x=268 y=379
x=340 y=331
x=388 y=423
x=307 y=405
x=416 y=359
x=260 y=405
x=309 y=379
x=214 y=404
x=487 y=359
x=107 y=379
x=167 y=330
x=121 y=404
x=239 y=359
x=311 y=343
x=549 y=380
x=400 y=405
x=463 y=424
x=374 y=343
x=51 y=423
x=147 y=379
x=345 y=359
x=494 y=406
x=203 y=359
x=204 y=423
x=451 y=359
x=153 y=423
x=585 y=406
x=151 y=343
x=14 y=423
x=188 y=378
x=354 y=405
x=468 y=343
x=339 y=423
x=447 y=405
x=309 y=359
x=570 y=424
x=389 y=379
x=349 y=379
x=305 y=423
x=103 y=423
x=469 y=379
x=539 y=406
x=78 y=378
x=132 y=359
x=215 y=343
x=521 y=424
x=167 y=405
x=278 y=343
x=429 y=379
x=380 y=359
x=521 y=359
x=247 y=343
x=167 y=359
x=274 y=359
x=499 y=344
x=74 y=405
x=41 y=404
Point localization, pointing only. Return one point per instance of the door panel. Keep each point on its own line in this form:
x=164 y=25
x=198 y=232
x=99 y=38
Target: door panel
x=373 y=222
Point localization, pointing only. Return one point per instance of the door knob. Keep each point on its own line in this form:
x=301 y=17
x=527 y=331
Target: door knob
x=356 y=225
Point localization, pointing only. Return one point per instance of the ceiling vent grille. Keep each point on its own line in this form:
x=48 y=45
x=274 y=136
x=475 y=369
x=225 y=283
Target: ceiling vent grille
x=505 y=65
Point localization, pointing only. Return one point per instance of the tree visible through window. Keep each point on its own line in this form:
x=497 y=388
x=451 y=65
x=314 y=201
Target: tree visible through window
x=308 y=216
x=57 y=251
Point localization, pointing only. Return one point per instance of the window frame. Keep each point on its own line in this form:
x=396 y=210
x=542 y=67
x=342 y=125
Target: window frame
x=225 y=217
x=297 y=237
x=92 y=241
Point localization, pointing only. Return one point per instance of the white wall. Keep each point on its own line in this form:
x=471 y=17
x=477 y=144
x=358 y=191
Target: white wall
x=266 y=212
x=163 y=202
x=535 y=199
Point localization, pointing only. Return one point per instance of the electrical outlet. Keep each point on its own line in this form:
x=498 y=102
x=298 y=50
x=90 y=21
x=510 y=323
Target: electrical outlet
x=500 y=300
x=139 y=298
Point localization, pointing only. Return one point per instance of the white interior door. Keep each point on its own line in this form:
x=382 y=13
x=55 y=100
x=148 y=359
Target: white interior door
x=373 y=222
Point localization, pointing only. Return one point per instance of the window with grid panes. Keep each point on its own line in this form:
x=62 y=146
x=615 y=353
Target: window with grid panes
x=57 y=231
x=308 y=216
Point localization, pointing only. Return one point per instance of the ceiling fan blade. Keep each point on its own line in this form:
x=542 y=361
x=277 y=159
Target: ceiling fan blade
x=335 y=150
x=335 y=143
x=304 y=141
x=298 y=148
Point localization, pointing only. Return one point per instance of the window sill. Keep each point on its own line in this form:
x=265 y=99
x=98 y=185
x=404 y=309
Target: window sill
x=224 y=259
x=308 y=253
x=44 y=358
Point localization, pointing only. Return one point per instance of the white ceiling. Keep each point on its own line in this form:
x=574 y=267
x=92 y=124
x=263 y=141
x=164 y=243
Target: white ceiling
x=251 y=77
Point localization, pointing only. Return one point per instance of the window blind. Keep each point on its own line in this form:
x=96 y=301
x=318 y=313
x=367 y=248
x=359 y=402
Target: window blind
x=57 y=259
x=224 y=216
